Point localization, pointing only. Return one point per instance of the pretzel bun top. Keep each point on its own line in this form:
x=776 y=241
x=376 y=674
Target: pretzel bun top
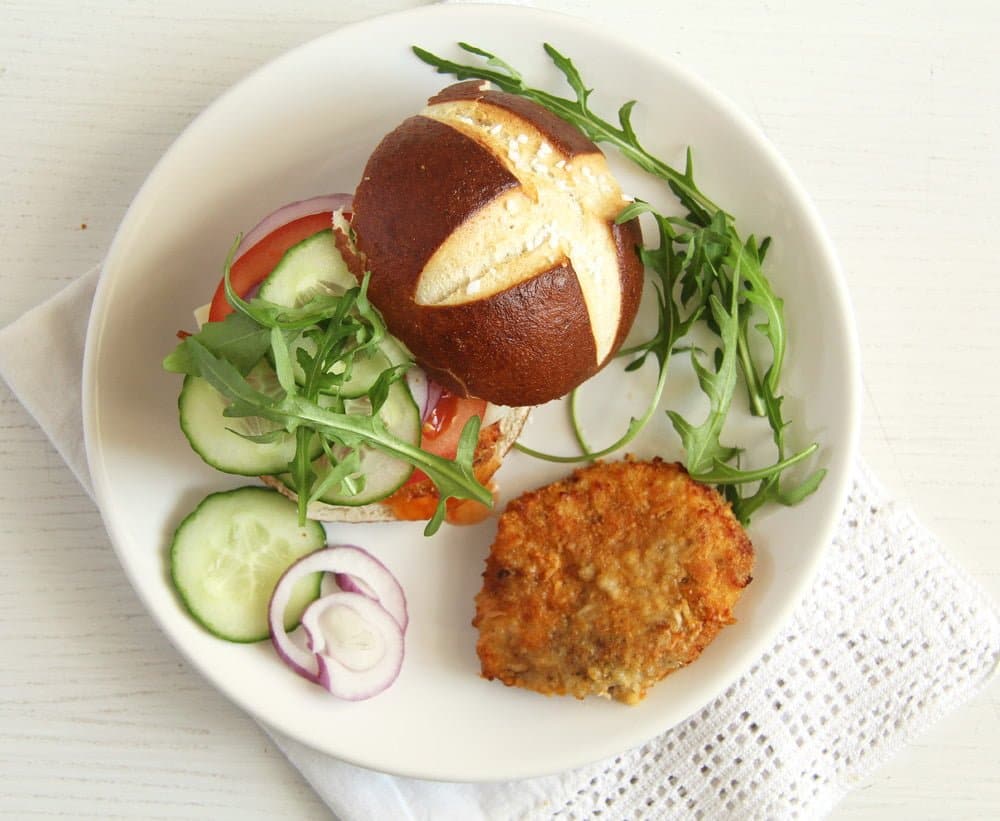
x=488 y=225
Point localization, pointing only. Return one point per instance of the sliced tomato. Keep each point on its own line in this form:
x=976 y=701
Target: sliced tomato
x=445 y=422
x=253 y=267
x=440 y=436
x=444 y=425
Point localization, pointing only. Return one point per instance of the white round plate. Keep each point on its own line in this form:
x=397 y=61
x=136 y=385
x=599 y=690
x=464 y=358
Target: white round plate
x=304 y=125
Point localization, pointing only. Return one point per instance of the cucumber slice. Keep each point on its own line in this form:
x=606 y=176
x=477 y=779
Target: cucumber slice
x=313 y=266
x=395 y=351
x=383 y=474
x=227 y=557
x=211 y=434
x=368 y=365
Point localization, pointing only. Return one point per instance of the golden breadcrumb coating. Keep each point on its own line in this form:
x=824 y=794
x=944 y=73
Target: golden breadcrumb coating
x=607 y=581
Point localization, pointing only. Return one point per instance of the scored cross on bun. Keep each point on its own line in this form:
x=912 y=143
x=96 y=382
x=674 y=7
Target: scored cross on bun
x=488 y=226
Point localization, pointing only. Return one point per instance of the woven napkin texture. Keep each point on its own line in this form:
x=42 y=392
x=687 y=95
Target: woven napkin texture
x=892 y=636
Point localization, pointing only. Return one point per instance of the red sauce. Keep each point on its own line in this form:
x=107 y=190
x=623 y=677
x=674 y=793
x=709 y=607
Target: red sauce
x=407 y=508
x=420 y=508
x=441 y=415
x=467 y=511
x=443 y=427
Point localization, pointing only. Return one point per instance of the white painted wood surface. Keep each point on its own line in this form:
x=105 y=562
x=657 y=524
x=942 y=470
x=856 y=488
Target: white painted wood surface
x=890 y=114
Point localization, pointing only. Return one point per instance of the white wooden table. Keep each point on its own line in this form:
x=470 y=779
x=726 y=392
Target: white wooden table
x=889 y=112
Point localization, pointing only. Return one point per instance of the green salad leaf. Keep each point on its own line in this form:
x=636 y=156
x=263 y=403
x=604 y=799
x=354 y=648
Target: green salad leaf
x=237 y=338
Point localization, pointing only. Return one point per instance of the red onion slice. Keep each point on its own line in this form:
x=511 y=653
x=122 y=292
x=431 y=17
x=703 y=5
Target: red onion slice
x=337 y=582
x=417 y=382
x=358 y=644
x=352 y=584
x=424 y=390
x=434 y=391
x=299 y=659
x=358 y=571
x=357 y=567
x=289 y=213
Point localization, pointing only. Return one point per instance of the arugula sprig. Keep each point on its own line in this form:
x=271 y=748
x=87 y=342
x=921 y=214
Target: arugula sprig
x=675 y=320
x=576 y=111
x=705 y=274
x=337 y=328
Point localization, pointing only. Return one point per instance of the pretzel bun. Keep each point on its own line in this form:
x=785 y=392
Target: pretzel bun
x=488 y=225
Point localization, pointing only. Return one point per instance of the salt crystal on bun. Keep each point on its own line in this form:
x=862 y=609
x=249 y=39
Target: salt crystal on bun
x=488 y=226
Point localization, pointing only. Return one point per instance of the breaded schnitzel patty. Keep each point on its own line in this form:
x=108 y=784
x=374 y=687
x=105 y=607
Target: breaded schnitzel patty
x=605 y=582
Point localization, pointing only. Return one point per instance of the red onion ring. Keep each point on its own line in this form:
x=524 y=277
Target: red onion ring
x=352 y=584
x=393 y=603
x=289 y=213
x=386 y=596
x=375 y=581
x=358 y=644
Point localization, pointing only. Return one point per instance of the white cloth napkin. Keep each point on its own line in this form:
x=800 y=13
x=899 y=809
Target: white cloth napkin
x=892 y=636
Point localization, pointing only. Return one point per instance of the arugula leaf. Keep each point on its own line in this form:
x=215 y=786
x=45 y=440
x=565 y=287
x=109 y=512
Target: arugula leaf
x=452 y=478
x=702 y=444
x=724 y=474
x=575 y=111
x=379 y=391
x=237 y=338
x=339 y=475
x=283 y=361
x=221 y=374
x=302 y=470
